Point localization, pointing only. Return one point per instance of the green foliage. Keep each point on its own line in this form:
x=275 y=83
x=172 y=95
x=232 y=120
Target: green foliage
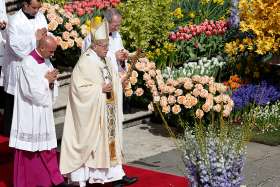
x=201 y=46
x=196 y=11
x=146 y=23
x=59 y=2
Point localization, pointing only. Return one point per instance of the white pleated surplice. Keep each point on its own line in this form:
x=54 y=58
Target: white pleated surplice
x=33 y=126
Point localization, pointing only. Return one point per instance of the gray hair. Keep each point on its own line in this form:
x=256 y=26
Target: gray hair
x=109 y=13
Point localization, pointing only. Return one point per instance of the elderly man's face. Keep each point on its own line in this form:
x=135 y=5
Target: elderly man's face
x=48 y=50
x=115 y=24
x=101 y=48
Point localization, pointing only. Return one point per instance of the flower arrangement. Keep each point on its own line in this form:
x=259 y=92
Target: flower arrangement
x=66 y=27
x=175 y=96
x=267 y=117
x=203 y=67
x=81 y=8
x=194 y=41
x=260 y=94
x=259 y=19
x=209 y=28
x=213 y=160
x=234 y=82
x=196 y=11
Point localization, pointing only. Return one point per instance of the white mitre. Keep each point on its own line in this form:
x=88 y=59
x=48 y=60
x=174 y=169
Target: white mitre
x=100 y=32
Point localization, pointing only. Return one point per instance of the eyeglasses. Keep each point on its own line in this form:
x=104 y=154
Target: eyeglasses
x=103 y=46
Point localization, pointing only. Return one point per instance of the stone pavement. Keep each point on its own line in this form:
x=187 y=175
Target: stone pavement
x=148 y=146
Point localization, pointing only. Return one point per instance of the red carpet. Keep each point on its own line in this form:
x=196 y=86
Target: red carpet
x=146 y=178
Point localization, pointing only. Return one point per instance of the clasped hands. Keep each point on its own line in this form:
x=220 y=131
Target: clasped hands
x=107 y=88
x=3 y=24
x=121 y=55
x=40 y=33
x=51 y=76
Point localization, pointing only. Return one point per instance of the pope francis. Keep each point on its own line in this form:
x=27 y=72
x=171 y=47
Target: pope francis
x=91 y=149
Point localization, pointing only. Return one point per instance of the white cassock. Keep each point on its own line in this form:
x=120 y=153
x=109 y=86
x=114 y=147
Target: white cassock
x=21 y=41
x=3 y=17
x=33 y=127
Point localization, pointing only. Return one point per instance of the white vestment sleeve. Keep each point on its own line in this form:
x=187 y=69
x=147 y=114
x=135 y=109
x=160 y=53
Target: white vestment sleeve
x=86 y=43
x=3 y=14
x=21 y=45
x=34 y=88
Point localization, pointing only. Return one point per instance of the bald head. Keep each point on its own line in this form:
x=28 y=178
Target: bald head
x=47 y=46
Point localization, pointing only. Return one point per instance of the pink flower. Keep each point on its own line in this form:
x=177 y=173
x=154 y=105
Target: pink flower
x=163 y=101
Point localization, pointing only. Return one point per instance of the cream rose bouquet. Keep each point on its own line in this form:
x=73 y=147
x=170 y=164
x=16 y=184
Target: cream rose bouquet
x=185 y=98
x=65 y=27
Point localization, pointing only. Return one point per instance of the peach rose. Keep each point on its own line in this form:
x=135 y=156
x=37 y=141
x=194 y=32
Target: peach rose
x=150 y=83
x=152 y=73
x=68 y=26
x=75 y=21
x=206 y=107
x=221 y=87
x=199 y=113
x=199 y=86
x=181 y=99
x=74 y=34
x=64 y=45
x=218 y=99
x=196 y=78
x=51 y=17
x=134 y=74
x=128 y=92
x=176 y=109
x=52 y=25
x=66 y=35
x=171 y=99
x=140 y=66
x=151 y=107
x=139 y=92
x=166 y=109
x=79 y=42
x=188 y=84
x=171 y=89
x=217 y=108
x=156 y=98
x=193 y=100
x=59 y=20
x=143 y=60
x=212 y=88
x=146 y=77
x=151 y=65
x=158 y=72
x=133 y=80
x=163 y=101
x=196 y=92
x=70 y=43
x=178 y=92
x=203 y=93
x=226 y=113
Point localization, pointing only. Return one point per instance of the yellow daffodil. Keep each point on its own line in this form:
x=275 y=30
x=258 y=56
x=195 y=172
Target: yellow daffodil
x=191 y=14
x=178 y=13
